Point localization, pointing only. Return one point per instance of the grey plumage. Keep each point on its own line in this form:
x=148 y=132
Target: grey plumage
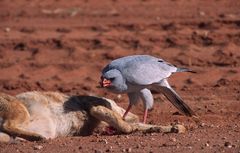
x=136 y=74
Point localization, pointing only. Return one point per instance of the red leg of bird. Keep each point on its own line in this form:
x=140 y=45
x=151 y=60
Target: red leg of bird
x=145 y=115
x=128 y=109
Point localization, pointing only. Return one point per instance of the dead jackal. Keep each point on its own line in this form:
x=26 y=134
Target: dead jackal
x=43 y=115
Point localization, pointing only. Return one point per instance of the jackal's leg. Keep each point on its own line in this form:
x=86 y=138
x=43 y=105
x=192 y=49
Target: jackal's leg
x=15 y=118
x=111 y=117
x=115 y=120
x=158 y=128
x=11 y=127
x=130 y=116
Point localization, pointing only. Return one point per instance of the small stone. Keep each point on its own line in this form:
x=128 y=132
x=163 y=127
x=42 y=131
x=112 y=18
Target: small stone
x=98 y=151
x=189 y=147
x=202 y=13
x=37 y=147
x=228 y=144
x=104 y=141
x=207 y=144
x=7 y=29
x=109 y=149
x=202 y=124
x=129 y=150
x=173 y=139
x=118 y=143
x=64 y=144
x=211 y=125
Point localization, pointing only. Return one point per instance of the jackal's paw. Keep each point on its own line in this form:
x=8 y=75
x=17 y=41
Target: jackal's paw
x=4 y=137
x=178 y=128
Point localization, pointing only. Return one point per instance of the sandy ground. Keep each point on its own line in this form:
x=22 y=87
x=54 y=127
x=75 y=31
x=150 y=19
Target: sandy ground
x=62 y=46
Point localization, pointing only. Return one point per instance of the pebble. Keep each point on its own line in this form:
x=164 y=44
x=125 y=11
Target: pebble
x=98 y=151
x=189 y=147
x=109 y=149
x=138 y=146
x=228 y=144
x=202 y=124
x=152 y=139
x=173 y=139
x=127 y=150
x=207 y=144
x=202 y=13
x=38 y=147
x=7 y=29
x=104 y=141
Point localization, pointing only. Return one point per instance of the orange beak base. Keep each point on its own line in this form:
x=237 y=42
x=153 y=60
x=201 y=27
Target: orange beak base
x=105 y=82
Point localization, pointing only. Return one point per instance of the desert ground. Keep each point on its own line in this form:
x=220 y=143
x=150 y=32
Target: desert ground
x=58 y=45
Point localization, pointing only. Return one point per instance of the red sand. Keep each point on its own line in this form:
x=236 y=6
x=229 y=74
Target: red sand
x=62 y=46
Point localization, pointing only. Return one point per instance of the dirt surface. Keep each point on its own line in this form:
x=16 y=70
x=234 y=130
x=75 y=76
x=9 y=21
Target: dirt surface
x=63 y=45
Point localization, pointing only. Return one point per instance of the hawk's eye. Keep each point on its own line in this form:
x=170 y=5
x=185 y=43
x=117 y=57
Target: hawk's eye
x=111 y=79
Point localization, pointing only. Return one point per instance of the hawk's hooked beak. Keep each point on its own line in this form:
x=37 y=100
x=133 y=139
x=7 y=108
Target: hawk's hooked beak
x=105 y=82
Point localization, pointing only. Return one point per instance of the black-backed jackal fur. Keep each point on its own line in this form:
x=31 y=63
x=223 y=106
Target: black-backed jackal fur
x=43 y=115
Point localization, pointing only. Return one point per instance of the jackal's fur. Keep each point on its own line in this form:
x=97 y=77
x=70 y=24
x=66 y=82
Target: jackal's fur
x=42 y=115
